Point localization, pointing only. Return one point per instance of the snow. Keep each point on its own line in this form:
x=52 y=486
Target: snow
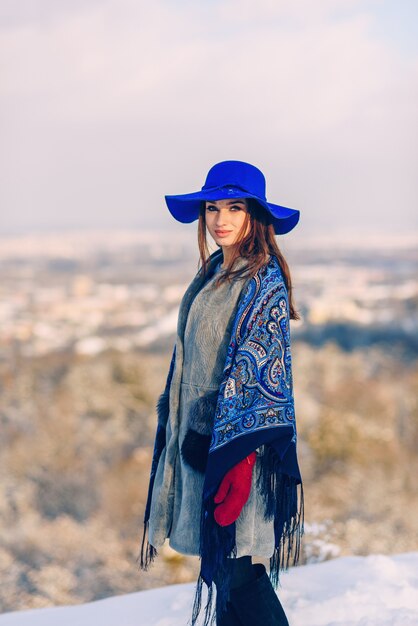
x=375 y=590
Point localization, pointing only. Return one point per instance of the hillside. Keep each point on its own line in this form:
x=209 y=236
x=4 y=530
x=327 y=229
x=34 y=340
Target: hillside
x=75 y=457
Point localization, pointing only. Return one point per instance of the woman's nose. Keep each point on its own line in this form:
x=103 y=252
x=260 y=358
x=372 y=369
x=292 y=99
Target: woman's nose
x=221 y=219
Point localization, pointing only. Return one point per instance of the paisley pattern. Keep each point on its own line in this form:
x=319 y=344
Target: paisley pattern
x=257 y=389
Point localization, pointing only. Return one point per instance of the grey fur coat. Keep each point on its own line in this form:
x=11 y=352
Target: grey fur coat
x=203 y=332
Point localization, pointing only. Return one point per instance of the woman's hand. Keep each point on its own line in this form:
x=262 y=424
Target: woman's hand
x=234 y=491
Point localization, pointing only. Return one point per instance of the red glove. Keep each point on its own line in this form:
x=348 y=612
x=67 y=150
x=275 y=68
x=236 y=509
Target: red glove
x=234 y=491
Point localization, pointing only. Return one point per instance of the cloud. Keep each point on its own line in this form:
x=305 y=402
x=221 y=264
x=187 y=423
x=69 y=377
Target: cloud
x=108 y=100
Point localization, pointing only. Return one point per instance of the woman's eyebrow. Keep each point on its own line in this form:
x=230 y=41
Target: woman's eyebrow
x=229 y=202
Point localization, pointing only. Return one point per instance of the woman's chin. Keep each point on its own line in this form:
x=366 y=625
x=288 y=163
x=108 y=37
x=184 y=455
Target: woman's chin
x=224 y=241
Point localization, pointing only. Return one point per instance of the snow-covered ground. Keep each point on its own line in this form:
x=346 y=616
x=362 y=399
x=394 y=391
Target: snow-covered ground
x=350 y=591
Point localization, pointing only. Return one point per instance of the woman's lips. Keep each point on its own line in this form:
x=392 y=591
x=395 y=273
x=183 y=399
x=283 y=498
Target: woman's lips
x=222 y=233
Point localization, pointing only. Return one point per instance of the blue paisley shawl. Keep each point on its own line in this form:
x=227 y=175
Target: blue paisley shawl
x=254 y=409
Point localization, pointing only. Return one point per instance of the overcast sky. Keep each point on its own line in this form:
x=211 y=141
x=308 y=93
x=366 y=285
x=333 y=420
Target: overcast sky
x=108 y=105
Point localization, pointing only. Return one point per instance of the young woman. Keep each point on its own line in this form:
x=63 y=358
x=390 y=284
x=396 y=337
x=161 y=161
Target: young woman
x=225 y=483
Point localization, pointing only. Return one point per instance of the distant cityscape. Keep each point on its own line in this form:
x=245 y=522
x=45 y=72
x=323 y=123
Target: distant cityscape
x=89 y=292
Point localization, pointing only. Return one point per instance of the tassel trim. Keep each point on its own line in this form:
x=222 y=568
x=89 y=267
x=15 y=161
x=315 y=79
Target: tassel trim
x=147 y=553
x=284 y=503
x=209 y=613
x=217 y=544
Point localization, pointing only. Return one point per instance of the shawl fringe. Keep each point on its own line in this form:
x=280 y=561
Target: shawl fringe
x=284 y=503
x=209 y=613
x=148 y=552
x=217 y=543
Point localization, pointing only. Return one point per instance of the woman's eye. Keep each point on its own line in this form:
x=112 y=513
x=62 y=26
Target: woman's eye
x=211 y=208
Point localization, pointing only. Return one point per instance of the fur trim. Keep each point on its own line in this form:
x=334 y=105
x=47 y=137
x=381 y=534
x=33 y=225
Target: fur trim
x=196 y=443
x=163 y=407
x=202 y=413
x=195 y=449
x=147 y=552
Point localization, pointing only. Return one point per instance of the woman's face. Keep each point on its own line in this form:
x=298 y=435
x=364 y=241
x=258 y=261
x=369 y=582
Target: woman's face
x=224 y=219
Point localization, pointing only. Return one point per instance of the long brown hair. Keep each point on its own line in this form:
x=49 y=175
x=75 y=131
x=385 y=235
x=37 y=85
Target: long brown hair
x=256 y=246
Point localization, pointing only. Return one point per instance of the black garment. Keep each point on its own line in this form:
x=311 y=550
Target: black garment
x=242 y=574
x=242 y=571
x=252 y=599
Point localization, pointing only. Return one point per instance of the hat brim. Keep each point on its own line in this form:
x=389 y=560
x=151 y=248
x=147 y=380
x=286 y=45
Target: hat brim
x=185 y=208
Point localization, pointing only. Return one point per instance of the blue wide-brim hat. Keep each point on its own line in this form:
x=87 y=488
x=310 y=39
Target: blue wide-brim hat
x=232 y=179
